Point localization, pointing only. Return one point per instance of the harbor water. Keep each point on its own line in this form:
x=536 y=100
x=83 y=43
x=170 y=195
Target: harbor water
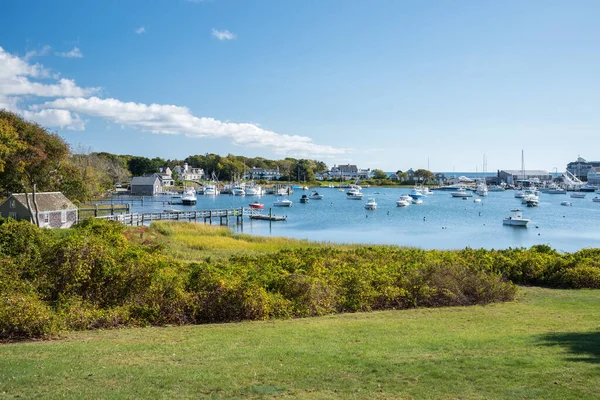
x=440 y=222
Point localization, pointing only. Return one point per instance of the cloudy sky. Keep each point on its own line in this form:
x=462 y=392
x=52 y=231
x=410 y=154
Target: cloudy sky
x=382 y=84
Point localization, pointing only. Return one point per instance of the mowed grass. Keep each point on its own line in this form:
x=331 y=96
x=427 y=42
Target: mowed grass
x=545 y=345
x=196 y=241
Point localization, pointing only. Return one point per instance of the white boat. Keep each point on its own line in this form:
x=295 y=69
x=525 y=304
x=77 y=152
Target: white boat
x=282 y=192
x=417 y=201
x=282 y=203
x=496 y=189
x=403 y=203
x=252 y=189
x=578 y=195
x=371 y=204
x=596 y=199
x=426 y=191
x=516 y=219
x=477 y=201
x=482 y=189
x=354 y=194
x=211 y=190
x=417 y=194
x=315 y=196
x=238 y=190
x=462 y=192
x=530 y=198
x=189 y=197
x=566 y=203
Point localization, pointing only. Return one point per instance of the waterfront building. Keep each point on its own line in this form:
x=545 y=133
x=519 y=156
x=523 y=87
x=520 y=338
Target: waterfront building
x=55 y=210
x=515 y=177
x=344 y=172
x=365 y=173
x=146 y=185
x=187 y=173
x=581 y=167
x=263 y=173
x=593 y=176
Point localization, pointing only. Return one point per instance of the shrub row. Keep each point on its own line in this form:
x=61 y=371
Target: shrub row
x=93 y=278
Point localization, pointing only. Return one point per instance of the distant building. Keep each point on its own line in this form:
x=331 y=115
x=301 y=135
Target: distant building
x=365 y=173
x=593 y=176
x=581 y=167
x=344 y=172
x=263 y=173
x=146 y=185
x=514 y=177
x=55 y=210
x=187 y=173
x=440 y=178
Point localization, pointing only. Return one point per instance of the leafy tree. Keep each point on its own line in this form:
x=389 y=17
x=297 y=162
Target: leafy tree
x=402 y=176
x=379 y=174
x=143 y=165
x=424 y=175
x=33 y=163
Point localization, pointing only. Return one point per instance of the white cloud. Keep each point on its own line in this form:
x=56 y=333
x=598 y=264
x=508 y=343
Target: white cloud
x=175 y=120
x=21 y=82
x=74 y=53
x=37 y=53
x=140 y=30
x=223 y=35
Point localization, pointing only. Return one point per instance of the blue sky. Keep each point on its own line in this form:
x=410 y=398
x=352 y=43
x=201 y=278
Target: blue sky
x=382 y=84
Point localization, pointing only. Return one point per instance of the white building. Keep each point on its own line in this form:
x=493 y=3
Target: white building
x=344 y=172
x=187 y=173
x=593 y=176
x=263 y=173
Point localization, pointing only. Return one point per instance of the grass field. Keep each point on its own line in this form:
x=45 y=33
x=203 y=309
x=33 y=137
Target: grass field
x=544 y=345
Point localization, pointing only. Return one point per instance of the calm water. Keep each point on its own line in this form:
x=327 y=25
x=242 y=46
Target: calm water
x=441 y=222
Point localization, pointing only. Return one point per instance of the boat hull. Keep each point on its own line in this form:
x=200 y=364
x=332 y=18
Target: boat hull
x=515 y=222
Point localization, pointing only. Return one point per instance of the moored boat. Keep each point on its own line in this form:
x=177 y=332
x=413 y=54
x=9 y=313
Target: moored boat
x=462 y=192
x=282 y=203
x=516 y=219
x=315 y=195
x=371 y=204
x=189 y=197
x=257 y=206
x=304 y=199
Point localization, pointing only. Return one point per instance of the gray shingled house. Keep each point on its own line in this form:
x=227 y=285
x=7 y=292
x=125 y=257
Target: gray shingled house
x=146 y=185
x=55 y=210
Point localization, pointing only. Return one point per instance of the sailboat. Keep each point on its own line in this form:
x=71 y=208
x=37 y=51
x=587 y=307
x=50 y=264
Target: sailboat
x=482 y=189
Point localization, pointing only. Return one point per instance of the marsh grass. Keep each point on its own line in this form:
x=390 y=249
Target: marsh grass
x=542 y=346
x=196 y=242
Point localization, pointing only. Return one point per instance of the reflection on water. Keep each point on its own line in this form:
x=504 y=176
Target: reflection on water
x=441 y=222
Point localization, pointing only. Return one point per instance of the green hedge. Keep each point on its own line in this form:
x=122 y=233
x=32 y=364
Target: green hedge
x=94 y=278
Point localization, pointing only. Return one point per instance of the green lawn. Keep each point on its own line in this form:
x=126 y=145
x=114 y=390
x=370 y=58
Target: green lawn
x=545 y=345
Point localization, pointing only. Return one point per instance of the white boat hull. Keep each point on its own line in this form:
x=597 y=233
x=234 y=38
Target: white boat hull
x=515 y=222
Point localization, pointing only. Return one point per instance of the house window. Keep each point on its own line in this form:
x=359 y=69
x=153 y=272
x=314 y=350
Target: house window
x=63 y=217
x=12 y=215
x=13 y=203
x=45 y=218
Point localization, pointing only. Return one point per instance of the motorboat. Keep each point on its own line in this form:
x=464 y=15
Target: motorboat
x=482 y=189
x=496 y=189
x=557 y=191
x=189 y=197
x=519 y=194
x=354 y=194
x=417 y=194
x=477 y=201
x=462 y=192
x=577 y=195
x=238 y=190
x=426 y=191
x=282 y=191
x=210 y=190
x=315 y=196
x=596 y=199
x=566 y=203
x=282 y=203
x=404 y=201
x=371 y=204
x=304 y=199
x=516 y=219
x=417 y=201
x=253 y=191
x=257 y=206
x=530 y=198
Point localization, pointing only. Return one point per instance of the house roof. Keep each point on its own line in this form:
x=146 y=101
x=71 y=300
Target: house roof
x=143 y=180
x=47 y=201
